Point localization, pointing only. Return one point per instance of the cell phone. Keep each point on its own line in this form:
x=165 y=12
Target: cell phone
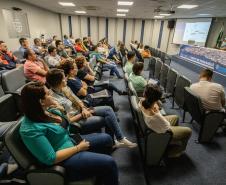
x=77 y=137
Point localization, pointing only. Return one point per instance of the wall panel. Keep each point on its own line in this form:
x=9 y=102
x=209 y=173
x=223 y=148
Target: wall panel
x=148 y=31
x=137 y=29
x=119 y=29
x=129 y=27
x=84 y=27
x=94 y=29
x=102 y=27
x=111 y=31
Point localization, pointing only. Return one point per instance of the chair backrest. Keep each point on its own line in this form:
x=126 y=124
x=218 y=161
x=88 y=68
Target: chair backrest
x=146 y=64
x=181 y=83
x=132 y=90
x=152 y=63
x=193 y=105
x=163 y=56
x=211 y=123
x=17 y=149
x=138 y=114
x=92 y=62
x=18 y=54
x=1 y=91
x=163 y=75
x=13 y=80
x=158 y=66
x=155 y=144
x=171 y=80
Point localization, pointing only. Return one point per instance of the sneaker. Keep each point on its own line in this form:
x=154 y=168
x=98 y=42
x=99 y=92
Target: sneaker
x=124 y=143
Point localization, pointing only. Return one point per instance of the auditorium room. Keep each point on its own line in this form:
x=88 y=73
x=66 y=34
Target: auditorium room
x=112 y=92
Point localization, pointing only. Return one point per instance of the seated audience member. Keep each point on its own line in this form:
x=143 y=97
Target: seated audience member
x=212 y=94
x=72 y=40
x=43 y=135
x=67 y=41
x=134 y=44
x=37 y=47
x=60 y=50
x=85 y=73
x=136 y=78
x=161 y=124
x=24 y=45
x=102 y=50
x=82 y=90
x=131 y=57
x=146 y=52
x=90 y=43
x=123 y=49
x=106 y=63
x=89 y=120
x=7 y=59
x=140 y=48
x=113 y=55
x=80 y=47
x=86 y=43
x=53 y=59
x=53 y=43
x=34 y=68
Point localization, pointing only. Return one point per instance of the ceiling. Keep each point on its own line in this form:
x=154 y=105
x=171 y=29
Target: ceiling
x=140 y=8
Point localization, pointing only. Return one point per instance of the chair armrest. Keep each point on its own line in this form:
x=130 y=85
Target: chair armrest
x=52 y=169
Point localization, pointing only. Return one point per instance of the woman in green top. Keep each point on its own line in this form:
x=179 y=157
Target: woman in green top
x=50 y=143
x=137 y=79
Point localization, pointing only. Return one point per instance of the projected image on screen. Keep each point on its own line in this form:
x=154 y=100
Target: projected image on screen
x=192 y=31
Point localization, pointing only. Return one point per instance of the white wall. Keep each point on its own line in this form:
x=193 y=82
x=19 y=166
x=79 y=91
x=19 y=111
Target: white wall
x=40 y=22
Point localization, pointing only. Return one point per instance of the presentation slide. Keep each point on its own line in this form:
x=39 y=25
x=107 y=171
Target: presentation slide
x=192 y=31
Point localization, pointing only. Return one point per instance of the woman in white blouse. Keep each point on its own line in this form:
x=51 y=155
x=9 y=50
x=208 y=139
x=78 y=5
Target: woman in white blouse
x=160 y=124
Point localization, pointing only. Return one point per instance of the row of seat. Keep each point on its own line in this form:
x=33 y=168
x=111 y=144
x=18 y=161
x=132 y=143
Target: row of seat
x=176 y=86
x=12 y=83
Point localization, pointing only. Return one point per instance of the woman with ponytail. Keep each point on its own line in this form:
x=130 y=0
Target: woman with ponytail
x=160 y=124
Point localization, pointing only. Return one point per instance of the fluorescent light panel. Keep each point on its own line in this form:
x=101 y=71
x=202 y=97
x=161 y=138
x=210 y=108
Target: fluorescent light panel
x=66 y=3
x=80 y=11
x=125 y=3
x=121 y=14
x=158 y=16
x=165 y=14
x=204 y=14
x=187 y=6
x=122 y=10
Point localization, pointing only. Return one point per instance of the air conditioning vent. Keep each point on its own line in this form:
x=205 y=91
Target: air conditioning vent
x=91 y=8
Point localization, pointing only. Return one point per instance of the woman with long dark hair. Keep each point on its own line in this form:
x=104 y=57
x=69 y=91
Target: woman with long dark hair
x=160 y=124
x=50 y=143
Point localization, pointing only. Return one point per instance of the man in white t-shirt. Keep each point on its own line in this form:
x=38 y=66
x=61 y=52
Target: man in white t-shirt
x=53 y=59
x=212 y=94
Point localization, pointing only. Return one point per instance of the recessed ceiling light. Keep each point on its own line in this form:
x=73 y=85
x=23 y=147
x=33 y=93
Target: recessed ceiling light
x=125 y=3
x=165 y=14
x=204 y=14
x=122 y=10
x=121 y=15
x=187 y=6
x=66 y=3
x=81 y=11
x=158 y=16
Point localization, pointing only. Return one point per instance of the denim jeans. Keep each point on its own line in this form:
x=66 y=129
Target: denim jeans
x=112 y=52
x=103 y=116
x=113 y=69
x=109 y=86
x=89 y=163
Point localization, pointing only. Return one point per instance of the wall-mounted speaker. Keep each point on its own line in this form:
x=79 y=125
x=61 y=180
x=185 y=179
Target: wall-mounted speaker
x=171 y=23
